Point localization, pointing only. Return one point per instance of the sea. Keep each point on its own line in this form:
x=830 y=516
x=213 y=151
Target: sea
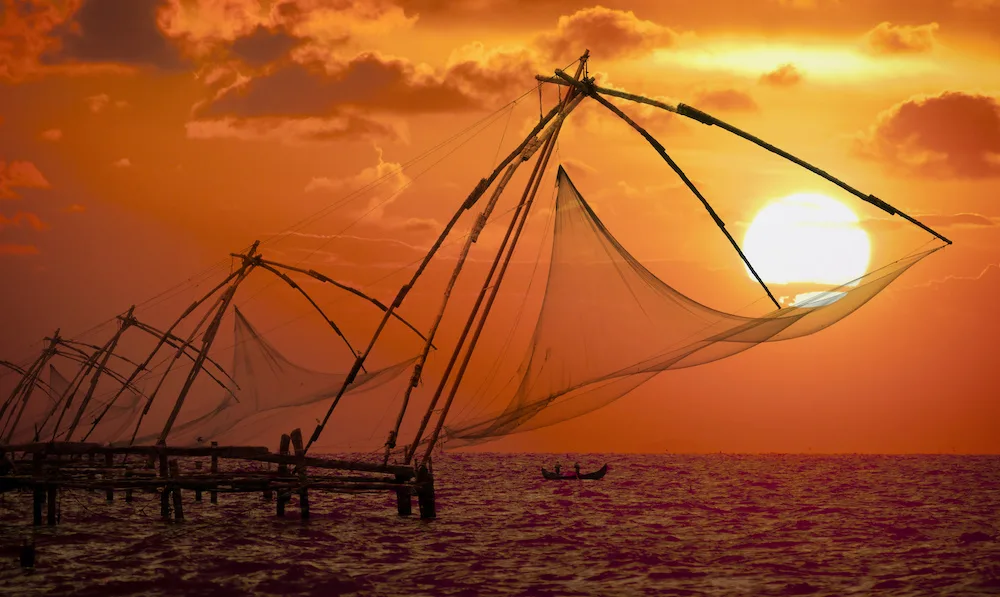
x=663 y=524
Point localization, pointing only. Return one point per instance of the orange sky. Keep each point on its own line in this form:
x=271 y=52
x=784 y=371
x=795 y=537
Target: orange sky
x=143 y=140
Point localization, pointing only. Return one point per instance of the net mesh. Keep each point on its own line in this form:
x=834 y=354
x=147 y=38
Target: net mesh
x=267 y=382
x=607 y=325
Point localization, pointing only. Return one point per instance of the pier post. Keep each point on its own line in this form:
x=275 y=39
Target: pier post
x=197 y=491
x=175 y=474
x=38 y=502
x=404 y=501
x=165 y=493
x=213 y=496
x=128 y=492
x=109 y=462
x=283 y=472
x=51 y=514
x=425 y=494
x=300 y=468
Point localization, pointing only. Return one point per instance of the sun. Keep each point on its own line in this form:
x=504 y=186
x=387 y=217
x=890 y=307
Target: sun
x=807 y=238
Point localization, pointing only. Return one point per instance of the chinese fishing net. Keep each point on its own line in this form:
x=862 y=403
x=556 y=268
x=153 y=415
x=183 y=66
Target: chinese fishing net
x=607 y=325
x=267 y=382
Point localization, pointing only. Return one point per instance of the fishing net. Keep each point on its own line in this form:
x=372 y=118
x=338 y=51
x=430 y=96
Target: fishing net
x=267 y=382
x=607 y=325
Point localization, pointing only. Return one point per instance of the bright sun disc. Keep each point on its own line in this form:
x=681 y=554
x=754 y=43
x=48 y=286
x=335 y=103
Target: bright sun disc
x=807 y=238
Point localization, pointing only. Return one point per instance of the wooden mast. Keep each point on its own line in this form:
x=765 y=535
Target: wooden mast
x=566 y=105
x=47 y=354
x=250 y=260
x=469 y=203
x=126 y=321
x=709 y=120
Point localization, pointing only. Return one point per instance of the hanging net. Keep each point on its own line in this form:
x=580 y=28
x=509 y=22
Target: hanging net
x=608 y=325
x=265 y=382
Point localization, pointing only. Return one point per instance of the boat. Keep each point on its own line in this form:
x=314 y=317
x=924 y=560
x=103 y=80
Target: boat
x=595 y=476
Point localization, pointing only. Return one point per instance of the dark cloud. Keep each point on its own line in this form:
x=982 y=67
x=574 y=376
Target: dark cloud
x=116 y=31
x=606 y=33
x=263 y=46
x=785 y=75
x=887 y=38
x=951 y=135
x=726 y=99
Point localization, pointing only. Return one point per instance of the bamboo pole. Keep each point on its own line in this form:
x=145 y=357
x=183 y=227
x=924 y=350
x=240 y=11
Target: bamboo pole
x=213 y=495
x=287 y=280
x=565 y=107
x=249 y=263
x=48 y=354
x=175 y=473
x=283 y=472
x=493 y=287
x=71 y=391
x=300 y=470
x=470 y=202
x=327 y=280
x=180 y=351
x=709 y=120
x=126 y=322
x=677 y=170
x=37 y=363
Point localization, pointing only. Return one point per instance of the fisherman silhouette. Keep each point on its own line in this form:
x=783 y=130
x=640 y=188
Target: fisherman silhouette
x=576 y=467
x=558 y=468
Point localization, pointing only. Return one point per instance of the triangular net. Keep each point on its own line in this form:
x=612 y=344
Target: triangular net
x=607 y=325
x=265 y=382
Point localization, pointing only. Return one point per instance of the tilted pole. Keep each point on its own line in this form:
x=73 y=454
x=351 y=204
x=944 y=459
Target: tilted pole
x=250 y=260
x=584 y=88
x=71 y=391
x=469 y=203
x=709 y=120
x=25 y=375
x=47 y=354
x=181 y=350
x=491 y=285
x=126 y=321
x=565 y=106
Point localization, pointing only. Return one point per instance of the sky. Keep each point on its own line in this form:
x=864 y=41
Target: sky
x=143 y=141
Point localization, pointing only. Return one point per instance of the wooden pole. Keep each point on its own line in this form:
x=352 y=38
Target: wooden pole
x=300 y=468
x=109 y=462
x=564 y=108
x=126 y=322
x=180 y=351
x=165 y=494
x=283 y=472
x=38 y=502
x=27 y=391
x=176 y=491
x=491 y=285
x=197 y=492
x=469 y=203
x=249 y=263
x=404 y=501
x=213 y=495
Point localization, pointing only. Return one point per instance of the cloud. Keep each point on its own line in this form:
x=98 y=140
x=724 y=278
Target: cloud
x=296 y=130
x=382 y=182
x=19 y=174
x=25 y=26
x=13 y=249
x=122 y=163
x=264 y=45
x=726 y=99
x=23 y=219
x=368 y=80
x=608 y=33
x=951 y=135
x=98 y=102
x=52 y=134
x=578 y=168
x=115 y=31
x=936 y=221
x=785 y=75
x=887 y=38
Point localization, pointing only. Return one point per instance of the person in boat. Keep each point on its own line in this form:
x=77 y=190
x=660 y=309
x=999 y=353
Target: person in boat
x=576 y=467
x=558 y=468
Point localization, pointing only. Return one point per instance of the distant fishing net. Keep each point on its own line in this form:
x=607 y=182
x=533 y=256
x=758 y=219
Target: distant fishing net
x=265 y=382
x=607 y=325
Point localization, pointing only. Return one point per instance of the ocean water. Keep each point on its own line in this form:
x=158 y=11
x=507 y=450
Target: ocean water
x=655 y=525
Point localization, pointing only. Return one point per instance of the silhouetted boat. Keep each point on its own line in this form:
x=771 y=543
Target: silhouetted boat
x=598 y=474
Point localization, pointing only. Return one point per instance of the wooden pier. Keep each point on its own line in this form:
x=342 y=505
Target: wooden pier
x=177 y=474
